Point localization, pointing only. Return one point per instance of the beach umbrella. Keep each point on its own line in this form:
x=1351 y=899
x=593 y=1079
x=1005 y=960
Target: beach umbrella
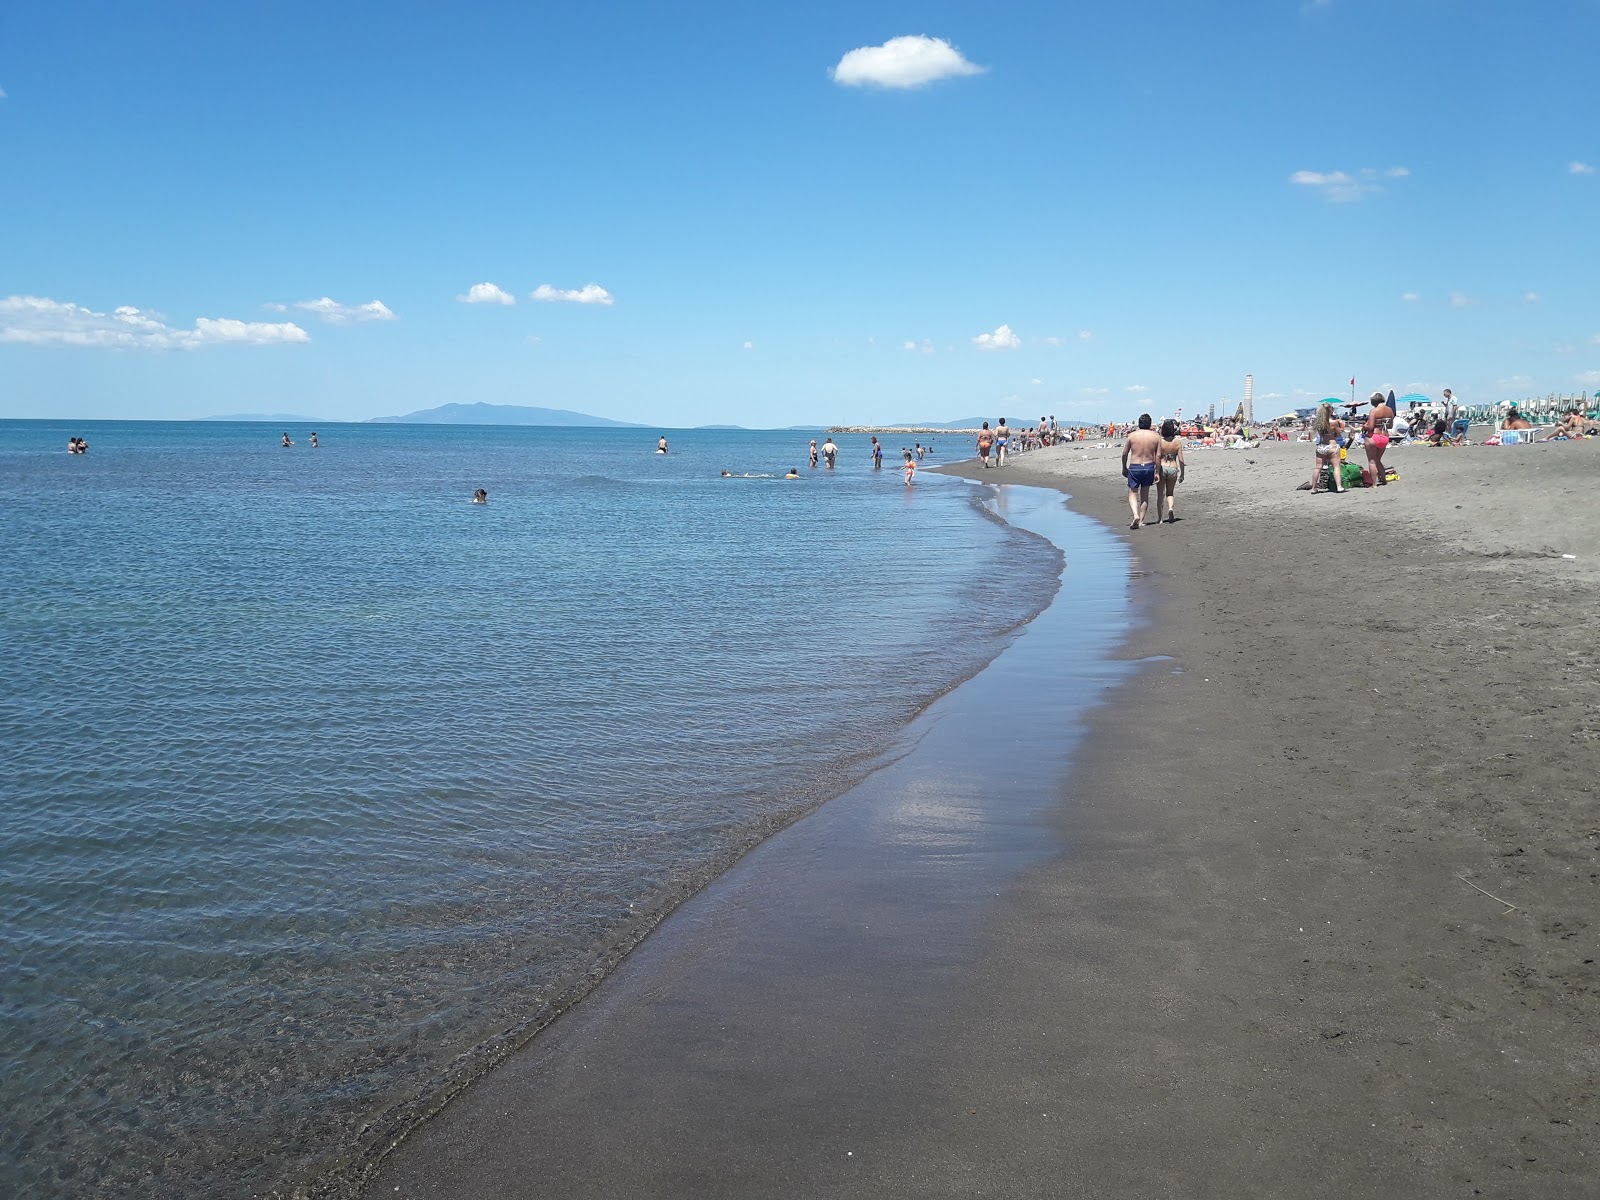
x=1414 y=398
x=1332 y=400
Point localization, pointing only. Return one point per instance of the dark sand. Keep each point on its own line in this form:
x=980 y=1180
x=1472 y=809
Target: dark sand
x=1255 y=971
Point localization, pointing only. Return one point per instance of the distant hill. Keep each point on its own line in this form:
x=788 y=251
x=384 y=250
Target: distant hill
x=501 y=414
x=964 y=423
x=273 y=418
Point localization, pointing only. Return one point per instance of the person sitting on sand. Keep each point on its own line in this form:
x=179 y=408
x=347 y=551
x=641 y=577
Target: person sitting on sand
x=1173 y=470
x=1515 y=420
x=1326 y=429
x=1140 y=448
x=1376 y=428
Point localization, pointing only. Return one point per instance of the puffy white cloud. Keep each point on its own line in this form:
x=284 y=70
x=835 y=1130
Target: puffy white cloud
x=1000 y=339
x=589 y=293
x=1411 y=297
x=1341 y=187
x=749 y=345
x=1579 y=168
x=1036 y=382
x=40 y=321
x=1085 y=336
x=1136 y=387
x=334 y=313
x=923 y=347
x=1460 y=300
x=486 y=293
x=902 y=62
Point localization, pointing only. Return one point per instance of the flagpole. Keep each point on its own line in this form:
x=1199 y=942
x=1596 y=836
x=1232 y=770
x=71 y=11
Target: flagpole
x=1352 y=391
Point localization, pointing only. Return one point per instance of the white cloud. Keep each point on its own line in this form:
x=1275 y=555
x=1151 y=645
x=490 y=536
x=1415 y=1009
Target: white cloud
x=923 y=347
x=1590 y=378
x=1136 y=387
x=1000 y=339
x=1411 y=298
x=1460 y=300
x=1085 y=336
x=1595 y=340
x=2 y=93
x=36 y=320
x=1579 y=168
x=1094 y=391
x=1036 y=382
x=589 y=293
x=749 y=345
x=902 y=62
x=1342 y=187
x=335 y=313
x=1530 y=297
x=1051 y=341
x=487 y=293
x=1515 y=383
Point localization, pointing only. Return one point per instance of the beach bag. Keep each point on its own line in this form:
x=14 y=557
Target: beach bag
x=1390 y=475
x=1349 y=472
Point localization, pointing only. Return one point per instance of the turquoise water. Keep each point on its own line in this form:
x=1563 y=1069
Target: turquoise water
x=320 y=783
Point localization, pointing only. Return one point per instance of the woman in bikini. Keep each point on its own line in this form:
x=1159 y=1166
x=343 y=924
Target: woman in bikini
x=1173 y=469
x=1376 y=428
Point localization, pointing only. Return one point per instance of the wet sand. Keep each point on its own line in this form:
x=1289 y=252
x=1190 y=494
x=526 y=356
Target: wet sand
x=1250 y=960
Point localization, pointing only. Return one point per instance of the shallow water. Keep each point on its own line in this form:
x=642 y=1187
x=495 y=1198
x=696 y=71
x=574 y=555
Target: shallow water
x=319 y=780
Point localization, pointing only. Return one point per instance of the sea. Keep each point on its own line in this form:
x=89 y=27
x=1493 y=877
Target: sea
x=324 y=787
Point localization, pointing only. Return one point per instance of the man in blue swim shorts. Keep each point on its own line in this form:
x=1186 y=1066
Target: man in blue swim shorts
x=1140 y=449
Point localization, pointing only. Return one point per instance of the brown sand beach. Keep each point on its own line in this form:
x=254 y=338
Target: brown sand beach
x=1318 y=918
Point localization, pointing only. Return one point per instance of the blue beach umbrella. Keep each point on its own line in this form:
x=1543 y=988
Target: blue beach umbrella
x=1413 y=398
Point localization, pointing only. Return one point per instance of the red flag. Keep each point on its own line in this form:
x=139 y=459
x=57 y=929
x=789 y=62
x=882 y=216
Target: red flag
x=1352 y=381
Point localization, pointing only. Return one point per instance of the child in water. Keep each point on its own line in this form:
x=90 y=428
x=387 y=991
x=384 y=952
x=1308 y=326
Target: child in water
x=910 y=467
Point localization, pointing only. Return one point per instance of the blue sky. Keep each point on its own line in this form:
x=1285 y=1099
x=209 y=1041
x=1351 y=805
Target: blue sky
x=1085 y=210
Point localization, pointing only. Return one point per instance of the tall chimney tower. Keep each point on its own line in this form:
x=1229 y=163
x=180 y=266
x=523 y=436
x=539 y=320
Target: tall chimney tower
x=1249 y=406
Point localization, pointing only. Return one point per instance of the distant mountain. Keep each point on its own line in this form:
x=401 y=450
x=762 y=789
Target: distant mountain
x=272 y=418
x=501 y=414
x=964 y=423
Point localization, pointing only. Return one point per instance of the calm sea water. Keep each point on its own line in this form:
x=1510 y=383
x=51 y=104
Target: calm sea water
x=320 y=783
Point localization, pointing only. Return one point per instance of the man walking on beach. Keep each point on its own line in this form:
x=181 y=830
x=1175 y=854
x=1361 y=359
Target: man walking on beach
x=1139 y=453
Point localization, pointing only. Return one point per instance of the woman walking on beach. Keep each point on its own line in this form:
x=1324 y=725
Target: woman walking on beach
x=985 y=443
x=1173 y=470
x=1326 y=448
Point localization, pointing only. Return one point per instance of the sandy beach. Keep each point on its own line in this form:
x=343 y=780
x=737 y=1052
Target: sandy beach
x=1318 y=918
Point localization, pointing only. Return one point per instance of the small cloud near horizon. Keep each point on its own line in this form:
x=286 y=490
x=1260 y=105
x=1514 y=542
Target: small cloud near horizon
x=1411 y=297
x=1341 y=187
x=486 y=293
x=903 y=62
x=1573 y=168
x=1136 y=387
x=589 y=293
x=40 y=321
x=1001 y=339
x=334 y=313
x=924 y=346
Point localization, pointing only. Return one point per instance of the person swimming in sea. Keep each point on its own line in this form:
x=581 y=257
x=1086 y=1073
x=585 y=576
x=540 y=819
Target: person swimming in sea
x=661 y=446
x=313 y=439
x=794 y=473
x=480 y=497
x=286 y=440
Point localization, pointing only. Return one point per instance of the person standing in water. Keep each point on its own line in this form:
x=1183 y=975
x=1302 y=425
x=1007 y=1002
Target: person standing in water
x=661 y=446
x=313 y=439
x=877 y=455
x=910 y=467
x=286 y=440
x=813 y=452
x=829 y=452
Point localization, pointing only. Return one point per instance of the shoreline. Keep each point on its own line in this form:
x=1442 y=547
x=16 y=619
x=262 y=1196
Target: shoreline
x=748 y=976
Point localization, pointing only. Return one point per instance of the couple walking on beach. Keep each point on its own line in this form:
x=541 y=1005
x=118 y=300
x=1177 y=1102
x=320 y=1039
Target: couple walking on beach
x=1151 y=459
